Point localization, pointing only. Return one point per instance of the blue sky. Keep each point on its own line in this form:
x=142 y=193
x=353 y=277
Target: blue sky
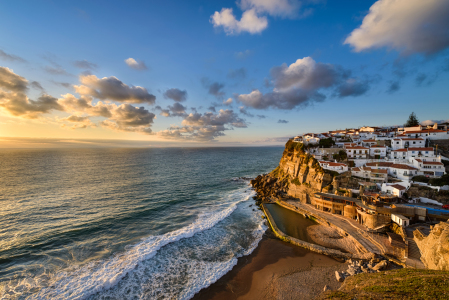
x=210 y=54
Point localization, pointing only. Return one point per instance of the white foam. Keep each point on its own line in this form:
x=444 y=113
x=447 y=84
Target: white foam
x=82 y=282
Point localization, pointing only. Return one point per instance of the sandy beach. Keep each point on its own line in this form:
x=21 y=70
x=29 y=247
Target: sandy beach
x=276 y=270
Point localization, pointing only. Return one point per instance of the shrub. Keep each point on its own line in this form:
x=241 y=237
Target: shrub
x=295 y=181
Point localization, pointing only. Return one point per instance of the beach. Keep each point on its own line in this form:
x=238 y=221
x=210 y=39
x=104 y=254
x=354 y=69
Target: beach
x=276 y=270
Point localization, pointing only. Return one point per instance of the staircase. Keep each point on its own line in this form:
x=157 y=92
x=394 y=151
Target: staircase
x=413 y=250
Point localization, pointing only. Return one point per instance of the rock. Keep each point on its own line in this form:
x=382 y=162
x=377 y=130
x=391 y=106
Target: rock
x=351 y=271
x=434 y=247
x=364 y=270
x=339 y=277
x=380 y=265
x=326 y=288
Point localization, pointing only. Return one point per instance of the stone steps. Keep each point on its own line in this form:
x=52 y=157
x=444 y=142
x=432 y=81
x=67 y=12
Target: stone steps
x=413 y=250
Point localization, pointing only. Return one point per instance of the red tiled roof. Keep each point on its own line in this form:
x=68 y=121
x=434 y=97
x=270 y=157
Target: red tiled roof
x=401 y=166
x=355 y=169
x=410 y=139
x=424 y=131
x=366 y=141
x=400 y=150
x=382 y=171
x=377 y=146
x=398 y=186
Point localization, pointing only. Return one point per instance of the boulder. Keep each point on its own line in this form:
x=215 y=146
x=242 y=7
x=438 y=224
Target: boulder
x=380 y=265
x=339 y=276
x=326 y=288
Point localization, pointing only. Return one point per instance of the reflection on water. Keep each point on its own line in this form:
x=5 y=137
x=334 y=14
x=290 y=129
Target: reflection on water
x=291 y=223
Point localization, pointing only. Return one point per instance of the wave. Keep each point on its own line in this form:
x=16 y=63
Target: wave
x=95 y=277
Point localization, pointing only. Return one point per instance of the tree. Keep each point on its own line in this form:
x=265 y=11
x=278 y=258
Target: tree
x=412 y=120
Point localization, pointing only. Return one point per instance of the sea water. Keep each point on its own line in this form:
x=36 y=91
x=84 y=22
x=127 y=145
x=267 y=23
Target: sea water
x=125 y=223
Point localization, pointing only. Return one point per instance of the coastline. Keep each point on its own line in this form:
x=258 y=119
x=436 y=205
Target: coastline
x=276 y=269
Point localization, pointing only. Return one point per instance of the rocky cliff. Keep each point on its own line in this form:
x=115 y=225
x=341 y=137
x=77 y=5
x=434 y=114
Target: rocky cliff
x=435 y=247
x=298 y=175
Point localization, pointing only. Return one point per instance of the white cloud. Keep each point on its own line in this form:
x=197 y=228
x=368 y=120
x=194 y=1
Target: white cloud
x=249 y=22
x=136 y=64
x=272 y=7
x=410 y=26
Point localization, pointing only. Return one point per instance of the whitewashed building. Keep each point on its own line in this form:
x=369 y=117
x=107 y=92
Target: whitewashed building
x=357 y=152
x=401 y=143
x=334 y=166
x=378 y=151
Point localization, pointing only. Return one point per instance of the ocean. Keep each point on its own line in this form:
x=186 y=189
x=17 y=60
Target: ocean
x=126 y=223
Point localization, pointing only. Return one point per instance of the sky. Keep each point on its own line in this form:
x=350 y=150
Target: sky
x=216 y=73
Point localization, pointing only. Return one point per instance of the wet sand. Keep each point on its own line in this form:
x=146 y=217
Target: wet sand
x=276 y=270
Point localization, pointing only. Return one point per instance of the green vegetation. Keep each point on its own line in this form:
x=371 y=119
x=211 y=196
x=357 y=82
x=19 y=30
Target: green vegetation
x=326 y=143
x=291 y=146
x=275 y=172
x=341 y=156
x=295 y=181
x=412 y=120
x=445 y=162
x=332 y=173
x=395 y=284
x=421 y=178
x=443 y=180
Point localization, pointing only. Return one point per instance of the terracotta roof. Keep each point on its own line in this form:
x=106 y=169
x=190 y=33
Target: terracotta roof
x=401 y=166
x=366 y=141
x=424 y=131
x=355 y=169
x=398 y=186
x=377 y=146
x=400 y=150
x=357 y=147
x=332 y=164
x=380 y=171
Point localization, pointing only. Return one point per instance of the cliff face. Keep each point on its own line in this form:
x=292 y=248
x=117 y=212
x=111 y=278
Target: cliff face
x=298 y=175
x=435 y=247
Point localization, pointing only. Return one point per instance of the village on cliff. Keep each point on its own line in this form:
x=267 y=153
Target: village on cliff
x=386 y=188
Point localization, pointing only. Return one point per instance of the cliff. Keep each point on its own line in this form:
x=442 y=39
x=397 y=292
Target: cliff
x=435 y=247
x=298 y=175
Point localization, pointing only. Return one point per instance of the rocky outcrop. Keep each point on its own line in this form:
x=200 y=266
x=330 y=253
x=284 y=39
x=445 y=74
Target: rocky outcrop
x=299 y=175
x=435 y=247
x=416 y=191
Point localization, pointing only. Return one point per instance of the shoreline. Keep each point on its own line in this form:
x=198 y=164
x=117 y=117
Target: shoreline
x=276 y=269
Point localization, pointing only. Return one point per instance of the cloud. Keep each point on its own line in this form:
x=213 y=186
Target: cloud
x=249 y=22
x=243 y=54
x=57 y=70
x=409 y=26
x=237 y=73
x=261 y=116
x=175 y=110
x=126 y=117
x=113 y=89
x=300 y=83
x=36 y=85
x=282 y=121
x=18 y=104
x=431 y=122
x=228 y=101
x=214 y=88
x=175 y=94
x=254 y=18
x=136 y=64
x=84 y=64
x=424 y=80
x=10 y=81
x=394 y=86
x=204 y=127
x=243 y=111
x=77 y=122
x=63 y=84
x=10 y=57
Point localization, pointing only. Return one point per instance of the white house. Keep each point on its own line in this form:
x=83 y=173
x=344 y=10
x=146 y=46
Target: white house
x=431 y=134
x=412 y=152
x=400 y=220
x=310 y=138
x=394 y=189
x=334 y=166
x=401 y=143
x=357 y=152
x=434 y=167
x=403 y=172
x=368 y=143
x=378 y=151
x=375 y=175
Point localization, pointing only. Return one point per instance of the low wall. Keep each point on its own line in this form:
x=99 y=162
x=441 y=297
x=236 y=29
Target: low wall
x=303 y=244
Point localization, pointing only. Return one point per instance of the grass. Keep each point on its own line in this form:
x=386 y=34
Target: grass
x=395 y=284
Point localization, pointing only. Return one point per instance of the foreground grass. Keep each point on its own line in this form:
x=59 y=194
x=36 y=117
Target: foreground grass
x=395 y=284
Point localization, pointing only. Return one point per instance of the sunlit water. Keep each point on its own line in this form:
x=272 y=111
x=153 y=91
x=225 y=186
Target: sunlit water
x=125 y=223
